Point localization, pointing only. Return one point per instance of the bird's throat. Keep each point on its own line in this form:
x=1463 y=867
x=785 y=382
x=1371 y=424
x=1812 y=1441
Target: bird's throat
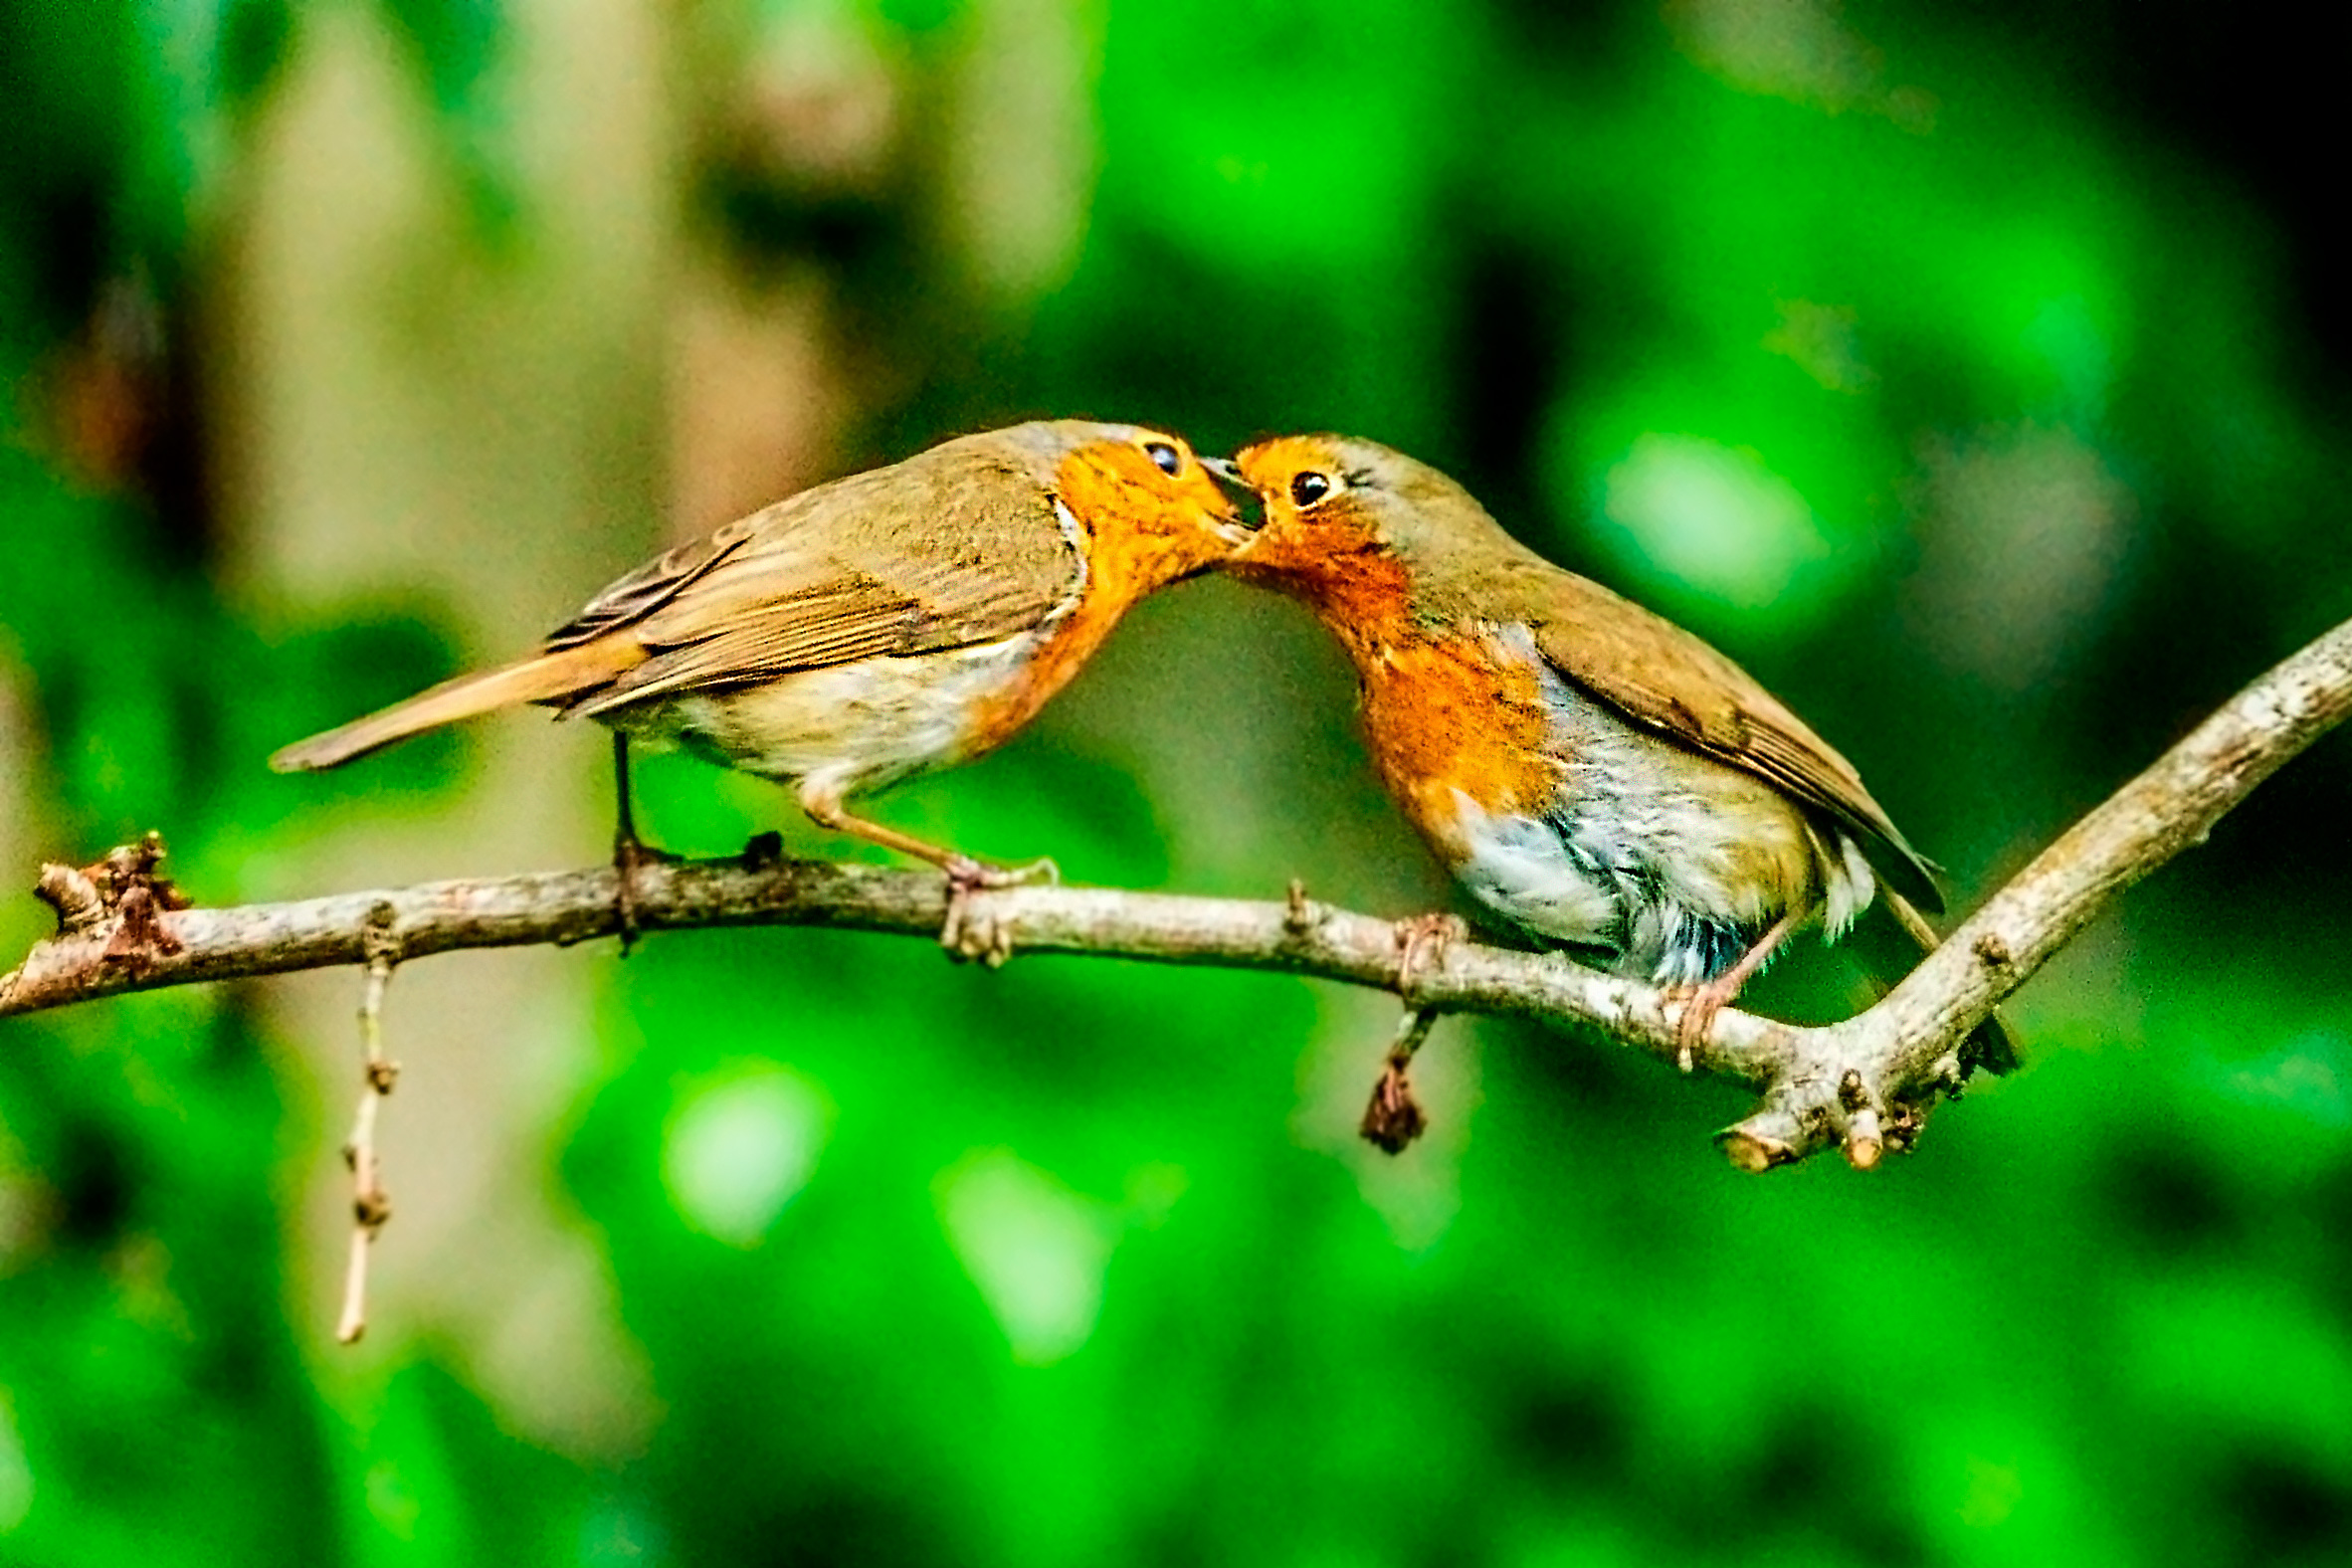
x=1359 y=591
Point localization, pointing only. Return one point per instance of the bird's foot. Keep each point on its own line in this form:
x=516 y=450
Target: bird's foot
x=629 y=853
x=969 y=935
x=1420 y=942
x=1700 y=1004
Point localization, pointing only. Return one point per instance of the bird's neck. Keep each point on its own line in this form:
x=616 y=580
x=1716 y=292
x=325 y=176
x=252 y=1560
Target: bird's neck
x=1368 y=603
x=1132 y=537
x=1362 y=592
x=1130 y=541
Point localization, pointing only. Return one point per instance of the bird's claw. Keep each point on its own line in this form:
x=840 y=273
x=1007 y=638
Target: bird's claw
x=1700 y=1004
x=968 y=934
x=1420 y=942
x=629 y=853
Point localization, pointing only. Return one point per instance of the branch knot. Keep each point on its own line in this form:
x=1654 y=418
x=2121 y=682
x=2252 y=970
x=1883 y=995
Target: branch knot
x=1302 y=916
x=379 y=935
x=70 y=892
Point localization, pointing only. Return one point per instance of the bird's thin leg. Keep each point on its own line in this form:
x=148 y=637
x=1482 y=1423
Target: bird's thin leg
x=629 y=850
x=965 y=875
x=826 y=811
x=1705 y=1001
x=1422 y=940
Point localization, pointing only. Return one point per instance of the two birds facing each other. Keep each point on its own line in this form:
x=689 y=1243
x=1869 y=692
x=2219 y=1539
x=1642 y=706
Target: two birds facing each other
x=1597 y=779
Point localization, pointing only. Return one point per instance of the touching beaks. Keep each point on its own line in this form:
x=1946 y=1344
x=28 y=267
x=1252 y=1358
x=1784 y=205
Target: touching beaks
x=1229 y=472
x=1250 y=506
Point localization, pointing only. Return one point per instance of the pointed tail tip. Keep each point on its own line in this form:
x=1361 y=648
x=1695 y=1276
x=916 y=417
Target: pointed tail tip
x=315 y=754
x=1994 y=1048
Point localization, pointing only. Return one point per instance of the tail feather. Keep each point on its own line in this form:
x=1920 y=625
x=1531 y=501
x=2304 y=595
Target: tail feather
x=547 y=677
x=1991 y=1046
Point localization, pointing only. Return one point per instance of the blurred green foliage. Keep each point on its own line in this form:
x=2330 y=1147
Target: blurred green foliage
x=1970 y=406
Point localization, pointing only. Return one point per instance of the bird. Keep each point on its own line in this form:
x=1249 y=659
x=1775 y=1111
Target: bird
x=906 y=618
x=1597 y=778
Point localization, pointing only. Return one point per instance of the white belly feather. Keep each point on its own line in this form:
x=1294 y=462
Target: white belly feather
x=845 y=728
x=1648 y=855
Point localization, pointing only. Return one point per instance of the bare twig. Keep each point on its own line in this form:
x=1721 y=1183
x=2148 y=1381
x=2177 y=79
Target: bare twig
x=1866 y=1084
x=564 y=908
x=371 y=1206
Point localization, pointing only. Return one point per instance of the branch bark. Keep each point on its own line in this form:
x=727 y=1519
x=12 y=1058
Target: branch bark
x=1866 y=1084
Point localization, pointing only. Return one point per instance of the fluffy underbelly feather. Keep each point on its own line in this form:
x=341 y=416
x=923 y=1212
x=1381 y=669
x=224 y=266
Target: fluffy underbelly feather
x=854 y=727
x=1654 y=860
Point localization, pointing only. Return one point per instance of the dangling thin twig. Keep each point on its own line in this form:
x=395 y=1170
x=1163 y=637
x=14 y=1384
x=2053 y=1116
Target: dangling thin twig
x=370 y=1205
x=1395 y=1119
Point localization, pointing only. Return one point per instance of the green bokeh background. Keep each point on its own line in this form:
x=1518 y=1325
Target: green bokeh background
x=1971 y=373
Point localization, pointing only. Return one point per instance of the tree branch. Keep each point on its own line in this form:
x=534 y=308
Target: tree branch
x=1889 y=1061
x=1866 y=1084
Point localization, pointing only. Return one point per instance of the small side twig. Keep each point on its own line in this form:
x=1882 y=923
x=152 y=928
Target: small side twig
x=124 y=885
x=1395 y=1119
x=73 y=894
x=371 y=1206
x=1299 y=912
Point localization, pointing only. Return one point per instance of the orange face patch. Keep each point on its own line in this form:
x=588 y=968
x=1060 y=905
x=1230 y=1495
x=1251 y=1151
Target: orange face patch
x=1302 y=552
x=1140 y=528
x=1328 y=555
x=1149 y=527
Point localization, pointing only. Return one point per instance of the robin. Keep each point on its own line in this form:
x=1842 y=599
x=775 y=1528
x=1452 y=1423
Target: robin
x=908 y=618
x=1599 y=778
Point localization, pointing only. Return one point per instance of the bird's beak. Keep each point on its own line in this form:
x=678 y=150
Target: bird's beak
x=1229 y=472
x=1246 y=522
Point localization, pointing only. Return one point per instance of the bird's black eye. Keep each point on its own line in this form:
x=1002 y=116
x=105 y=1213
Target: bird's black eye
x=1308 y=488
x=1168 y=458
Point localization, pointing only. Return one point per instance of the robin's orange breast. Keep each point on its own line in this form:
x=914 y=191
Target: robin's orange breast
x=1453 y=717
x=1567 y=822
x=1451 y=722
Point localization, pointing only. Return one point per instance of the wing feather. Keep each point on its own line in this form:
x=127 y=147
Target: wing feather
x=958 y=545
x=651 y=586
x=1679 y=687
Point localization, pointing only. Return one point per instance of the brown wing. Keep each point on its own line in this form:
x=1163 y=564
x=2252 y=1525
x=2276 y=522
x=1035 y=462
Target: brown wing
x=1667 y=681
x=958 y=545
x=651 y=586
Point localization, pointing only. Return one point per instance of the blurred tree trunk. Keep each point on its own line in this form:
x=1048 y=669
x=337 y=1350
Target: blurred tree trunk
x=413 y=403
